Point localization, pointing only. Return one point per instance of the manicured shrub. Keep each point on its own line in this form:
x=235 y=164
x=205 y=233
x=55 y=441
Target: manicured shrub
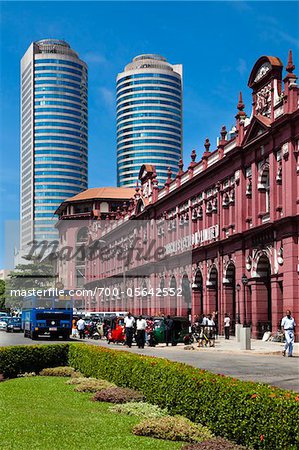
x=255 y=415
x=139 y=409
x=76 y=374
x=26 y=375
x=79 y=380
x=61 y=371
x=31 y=358
x=175 y=428
x=118 y=395
x=214 y=444
x=93 y=385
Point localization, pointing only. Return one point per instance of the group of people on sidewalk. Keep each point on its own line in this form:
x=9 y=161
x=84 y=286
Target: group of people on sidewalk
x=205 y=329
x=142 y=328
x=206 y=326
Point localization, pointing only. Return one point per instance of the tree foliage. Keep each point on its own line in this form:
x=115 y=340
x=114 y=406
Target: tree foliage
x=2 y=294
x=33 y=275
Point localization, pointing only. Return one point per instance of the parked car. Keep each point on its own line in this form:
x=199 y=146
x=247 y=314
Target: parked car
x=4 y=320
x=3 y=324
x=14 y=324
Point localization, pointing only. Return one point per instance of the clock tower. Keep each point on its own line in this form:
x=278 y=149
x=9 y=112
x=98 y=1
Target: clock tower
x=265 y=81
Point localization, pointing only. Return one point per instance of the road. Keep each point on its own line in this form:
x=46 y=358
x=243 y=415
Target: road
x=270 y=369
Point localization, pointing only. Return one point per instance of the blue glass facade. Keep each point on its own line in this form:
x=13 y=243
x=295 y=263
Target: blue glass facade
x=54 y=133
x=149 y=118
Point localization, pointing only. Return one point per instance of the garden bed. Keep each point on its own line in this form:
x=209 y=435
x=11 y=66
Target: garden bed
x=46 y=413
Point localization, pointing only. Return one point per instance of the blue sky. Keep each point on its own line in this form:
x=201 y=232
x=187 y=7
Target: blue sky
x=217 y=43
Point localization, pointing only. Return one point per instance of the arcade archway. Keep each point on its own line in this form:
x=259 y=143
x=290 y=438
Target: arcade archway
x=197 y=288
x=173 y=307
x=212 y=291
x=186 y=295
x=264 y=300
x=230 y=304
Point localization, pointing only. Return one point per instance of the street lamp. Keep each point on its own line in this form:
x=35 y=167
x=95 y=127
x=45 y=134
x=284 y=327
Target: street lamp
x=238 y=288
x=244 y=280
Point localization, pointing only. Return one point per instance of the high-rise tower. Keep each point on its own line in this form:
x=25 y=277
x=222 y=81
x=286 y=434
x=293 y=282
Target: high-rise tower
x=149 y=118
x=53 y=134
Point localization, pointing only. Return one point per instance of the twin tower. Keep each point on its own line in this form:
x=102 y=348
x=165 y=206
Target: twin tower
x=54 y=127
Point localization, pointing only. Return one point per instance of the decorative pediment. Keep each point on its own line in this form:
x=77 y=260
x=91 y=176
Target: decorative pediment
x=265 y=68
x=259 y=125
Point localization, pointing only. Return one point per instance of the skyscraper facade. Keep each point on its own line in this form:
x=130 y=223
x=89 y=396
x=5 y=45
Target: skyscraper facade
x=149 y=118
x=53 y=134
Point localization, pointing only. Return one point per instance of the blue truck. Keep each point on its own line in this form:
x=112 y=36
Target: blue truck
x=47 y=316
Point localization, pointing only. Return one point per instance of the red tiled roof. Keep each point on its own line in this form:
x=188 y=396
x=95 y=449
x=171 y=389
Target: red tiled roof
x=106 y=193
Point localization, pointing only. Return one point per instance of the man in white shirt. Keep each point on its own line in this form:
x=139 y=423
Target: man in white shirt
x=288 y=327
x=226 y=325
x=81 y=327
x=211 y=332
x=129 y=328
x=140 y=334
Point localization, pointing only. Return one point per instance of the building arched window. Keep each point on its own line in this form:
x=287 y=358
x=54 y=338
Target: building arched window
x=81 y=240
x=264 y=192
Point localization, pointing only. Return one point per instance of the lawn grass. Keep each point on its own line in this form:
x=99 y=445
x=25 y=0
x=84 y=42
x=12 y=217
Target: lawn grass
x=45 y=413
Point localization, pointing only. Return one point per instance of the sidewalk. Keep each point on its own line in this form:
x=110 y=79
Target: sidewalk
x=231 y=346
x=258 y=347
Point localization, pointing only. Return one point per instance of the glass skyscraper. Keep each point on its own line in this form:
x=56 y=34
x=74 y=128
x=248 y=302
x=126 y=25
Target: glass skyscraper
x=53 y=134
x=149 y=118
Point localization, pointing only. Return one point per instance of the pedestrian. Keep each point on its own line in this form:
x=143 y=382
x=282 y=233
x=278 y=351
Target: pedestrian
x=129 y=329
x=215 y=319
x=203 y=331
x=211 y=327
x=140 y=331
x=288 y=328
x=150 y=332
x=81 y=328
x=169 y=328
x=226 y=325
x=74 y=328
x=105 y=327
x=204 y=320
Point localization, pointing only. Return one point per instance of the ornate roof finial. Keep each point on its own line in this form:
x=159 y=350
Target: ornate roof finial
x=169 y=173
x=193 y=156
x=290 y=66
x=180 y=172
x=223 y=133
x=207 y=145
x=240 y=104
x=240 y=114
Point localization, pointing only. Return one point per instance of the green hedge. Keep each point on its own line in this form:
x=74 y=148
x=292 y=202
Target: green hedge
x=255 y=415
x=31 y=358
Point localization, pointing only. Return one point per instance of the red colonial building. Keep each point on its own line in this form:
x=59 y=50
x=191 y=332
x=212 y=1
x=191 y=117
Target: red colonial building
x=228 y=223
